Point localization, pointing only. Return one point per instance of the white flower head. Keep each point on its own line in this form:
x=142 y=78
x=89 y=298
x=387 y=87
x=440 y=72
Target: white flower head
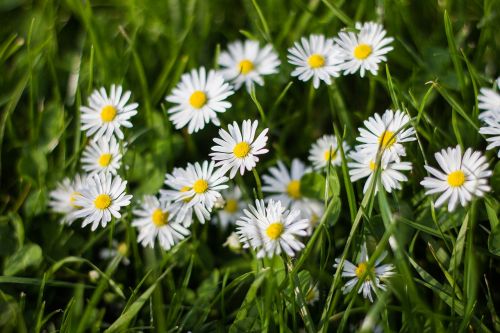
x=315 y=57
x=492 y=129
x=246 y=63
x=232 y=208
x=198 y=98
x=233 y=243
x=154 y=220
x=489 y=102
x=387 y=133
x=63 y=197
x=326 y=149
x=364 y=165
x=115 y=250
x=271 y=230
x=106 y=114
x=102 y=156
x=102 y=197
x=372 y=276
x=237 y=150
x=363 y=51
x=462 y=178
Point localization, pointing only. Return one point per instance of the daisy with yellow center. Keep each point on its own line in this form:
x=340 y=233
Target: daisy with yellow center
x=102 y=156
x=63 y=197
x=198 y=97
x=365 y=50
x=371 y=277
x=463 y=177
x=232 y=208
x=116 y=249
x=387 y=134
x=101 y=198
x=271 y=230
x=489 y=102
x=106 y=114
x=315 y=58
x=246 y=63
x=237 y=149
x=154 y=220
x=325 y=150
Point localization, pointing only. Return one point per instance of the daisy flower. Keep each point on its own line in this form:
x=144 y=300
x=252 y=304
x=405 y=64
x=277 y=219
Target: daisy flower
x=462 y=178
x=246 y=63
x=271 y=230
x=232 y=207
x=492 y=128
x=63 y=197
x=154 y=221
x=106 y=114
x=371 y=276
x=199 y=97
x=363 y=51
x=386 y=133
x=116 y=249
x=102 y=156
x=489 y=102
x=233 y=243
x=316 y=57
x=312 y=294
x=364 y=165
x=102 y=197
x=238 y=149
x=326 y=149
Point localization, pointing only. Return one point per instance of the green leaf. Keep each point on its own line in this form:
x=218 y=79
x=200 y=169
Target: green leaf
x=29 y=255
x=494 y=241
x=313 y=184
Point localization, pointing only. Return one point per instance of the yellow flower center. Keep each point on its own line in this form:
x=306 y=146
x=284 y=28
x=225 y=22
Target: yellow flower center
x=293 y=189
x=274 y=230
x=122 y=249
x=159 y=218
x=185 y=189
x=456 y=178
x=104 y=160
x=102 y=201
x=310 y=295
x=373 y=166
x=200 y=186
x=316 y=61
x=198 y=99
x=72 y=199
x=108 y=113
x=361 y=270
x=245 y=66
x=387 y=139
x=362 y=51
x=329 y=155
x=231 y=206
x=241 y=149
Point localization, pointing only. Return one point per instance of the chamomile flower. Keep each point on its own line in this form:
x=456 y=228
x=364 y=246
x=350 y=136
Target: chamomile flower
x=232 y=208
x=63 y=197
x=387 y=133
x=154 y=220
x=462 y=178
x=233 y=243
x=315 y=57
x=102 y=197
x=492 y=128
x=246 y=63
x=312 y=294
x=489 y=102
x=364 y=165
x=116 y=249
x=371 y=276
x=271 y=230
x=238 y=150
x=102 y=156
x=363 y=51
x=106 y=114
x=199 y=97
x=326 y=149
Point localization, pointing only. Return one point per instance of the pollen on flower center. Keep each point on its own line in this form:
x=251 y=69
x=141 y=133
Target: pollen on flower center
x=231 y=206
x=122 y=249
x=373 y=165
x=102 y=201
x=293 y=189
x=159 y=217
x=362 y=51
x=241 y=149
x=274 y=230
x=108 y=113
x=387 y=139
x=198 y=99
x=316 y=61
x=361 y=270
x=245 y=66
x=104 y=160
x=456 y=178
x=200 y=186
x=329 y=155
